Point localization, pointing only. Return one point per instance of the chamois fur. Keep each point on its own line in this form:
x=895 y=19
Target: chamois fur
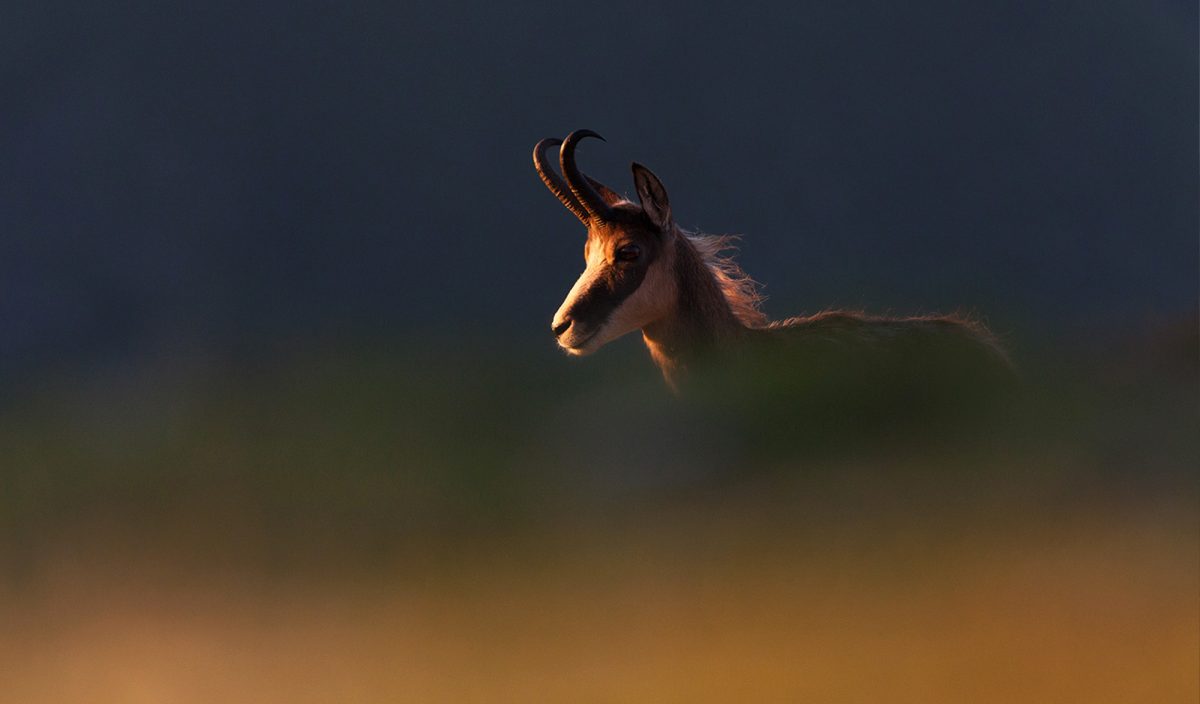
x=742 y=292
x=744 y=296
x=718 y=317
x=696 y=307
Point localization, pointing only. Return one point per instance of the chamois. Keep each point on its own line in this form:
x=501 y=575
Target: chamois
x=694 y=305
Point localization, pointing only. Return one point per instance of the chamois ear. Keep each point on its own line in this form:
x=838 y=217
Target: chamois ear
x=653 y=196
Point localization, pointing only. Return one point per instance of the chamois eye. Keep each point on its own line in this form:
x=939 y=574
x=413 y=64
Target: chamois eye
x=629 y=253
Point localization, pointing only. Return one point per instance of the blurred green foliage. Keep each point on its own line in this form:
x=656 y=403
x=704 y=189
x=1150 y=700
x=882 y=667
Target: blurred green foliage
x=363 y=454
x=434 y=520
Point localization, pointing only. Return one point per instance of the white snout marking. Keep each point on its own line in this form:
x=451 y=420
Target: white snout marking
x=651 y=301
x=574 y=340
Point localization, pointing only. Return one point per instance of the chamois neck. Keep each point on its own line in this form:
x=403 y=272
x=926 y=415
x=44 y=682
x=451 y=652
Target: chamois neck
x=700 y=323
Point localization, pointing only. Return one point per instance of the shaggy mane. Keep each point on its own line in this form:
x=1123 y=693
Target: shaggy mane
x=743 y=293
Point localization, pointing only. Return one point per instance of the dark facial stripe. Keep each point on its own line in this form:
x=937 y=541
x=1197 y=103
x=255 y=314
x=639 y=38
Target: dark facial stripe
x=614 y=284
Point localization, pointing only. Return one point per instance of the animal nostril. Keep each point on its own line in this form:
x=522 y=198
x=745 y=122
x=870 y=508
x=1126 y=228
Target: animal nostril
x=561 y=327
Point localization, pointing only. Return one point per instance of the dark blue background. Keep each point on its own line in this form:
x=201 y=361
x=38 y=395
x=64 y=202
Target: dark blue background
x=218 y=178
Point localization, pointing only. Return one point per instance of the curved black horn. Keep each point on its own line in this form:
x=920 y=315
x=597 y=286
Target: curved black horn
x=553 y=181
x=579 y=183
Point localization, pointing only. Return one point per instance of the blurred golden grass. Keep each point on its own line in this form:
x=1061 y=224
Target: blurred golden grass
x=1090 y=606
x=408 y=525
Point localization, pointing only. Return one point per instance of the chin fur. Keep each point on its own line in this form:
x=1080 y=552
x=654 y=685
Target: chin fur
x=577 y=351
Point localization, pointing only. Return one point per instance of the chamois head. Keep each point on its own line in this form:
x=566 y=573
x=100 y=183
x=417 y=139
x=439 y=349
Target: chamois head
x=627 y=283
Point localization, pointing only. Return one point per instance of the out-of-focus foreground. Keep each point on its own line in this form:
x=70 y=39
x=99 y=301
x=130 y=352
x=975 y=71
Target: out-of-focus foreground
x=402 y=522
